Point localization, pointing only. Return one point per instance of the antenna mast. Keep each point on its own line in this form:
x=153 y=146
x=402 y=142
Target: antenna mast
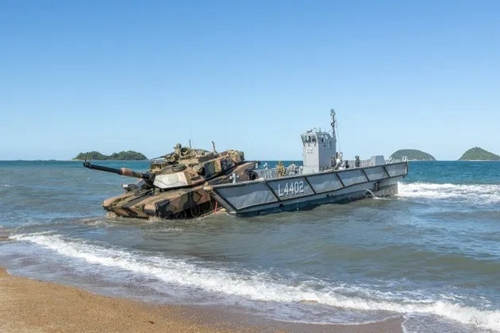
x=332 y=114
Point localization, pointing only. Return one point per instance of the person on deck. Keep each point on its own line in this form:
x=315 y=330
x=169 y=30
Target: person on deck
x=280 y=169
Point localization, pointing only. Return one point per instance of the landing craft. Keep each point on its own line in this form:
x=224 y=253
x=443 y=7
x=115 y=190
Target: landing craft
x=172 y=188
x=323 y=178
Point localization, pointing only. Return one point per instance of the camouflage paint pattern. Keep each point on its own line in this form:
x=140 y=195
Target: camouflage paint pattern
x=173 y=187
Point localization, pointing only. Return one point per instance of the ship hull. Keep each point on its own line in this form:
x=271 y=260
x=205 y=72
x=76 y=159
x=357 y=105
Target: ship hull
x=265 y=196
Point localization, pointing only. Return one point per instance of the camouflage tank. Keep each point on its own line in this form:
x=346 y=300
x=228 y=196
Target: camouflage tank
x=173 y=186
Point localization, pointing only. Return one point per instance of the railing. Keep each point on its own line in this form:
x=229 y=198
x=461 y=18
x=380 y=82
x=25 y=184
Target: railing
x=273 y=172
x=293 y=170
x=397 y=160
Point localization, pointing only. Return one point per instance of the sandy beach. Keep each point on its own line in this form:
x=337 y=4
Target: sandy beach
x=29 y=305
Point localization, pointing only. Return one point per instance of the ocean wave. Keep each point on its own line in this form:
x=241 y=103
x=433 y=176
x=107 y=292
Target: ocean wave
x=257 y=285
x=476 y=194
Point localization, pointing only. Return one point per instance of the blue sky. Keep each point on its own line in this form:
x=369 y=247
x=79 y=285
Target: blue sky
x=77 y=76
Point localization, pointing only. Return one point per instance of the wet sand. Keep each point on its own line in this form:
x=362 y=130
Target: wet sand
x=28 y=305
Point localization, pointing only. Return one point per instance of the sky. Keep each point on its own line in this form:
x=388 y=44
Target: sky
x=108 y=76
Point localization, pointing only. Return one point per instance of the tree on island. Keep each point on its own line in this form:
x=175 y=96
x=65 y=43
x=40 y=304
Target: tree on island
x=479 y=154
x=412 y=155
x=129 y=155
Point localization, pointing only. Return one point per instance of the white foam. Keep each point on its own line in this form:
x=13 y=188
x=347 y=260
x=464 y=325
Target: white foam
x=255 y=285
x=476 y=194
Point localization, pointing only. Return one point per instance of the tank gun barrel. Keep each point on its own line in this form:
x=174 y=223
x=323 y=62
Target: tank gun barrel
x=122 y=171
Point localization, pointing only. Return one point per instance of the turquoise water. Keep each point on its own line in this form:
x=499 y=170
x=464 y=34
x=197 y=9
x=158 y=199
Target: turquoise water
x=431 y=253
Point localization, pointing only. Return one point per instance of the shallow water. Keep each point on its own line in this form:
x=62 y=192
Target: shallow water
x=431 y=253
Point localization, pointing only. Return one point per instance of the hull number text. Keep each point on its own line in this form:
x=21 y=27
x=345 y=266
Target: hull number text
x=291 y=188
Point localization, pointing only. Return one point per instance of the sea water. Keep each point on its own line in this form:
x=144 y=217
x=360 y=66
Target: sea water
x=430 y=254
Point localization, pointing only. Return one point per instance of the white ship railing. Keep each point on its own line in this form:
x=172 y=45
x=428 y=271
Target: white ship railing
x=273 y=173
x=294 y=170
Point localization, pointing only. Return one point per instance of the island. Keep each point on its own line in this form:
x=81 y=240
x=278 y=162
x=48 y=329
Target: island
x=412 y=155
x=129 y=155
x=479 y=154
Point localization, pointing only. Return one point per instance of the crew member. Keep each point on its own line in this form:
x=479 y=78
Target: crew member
x=357 y=162
x=280 y=169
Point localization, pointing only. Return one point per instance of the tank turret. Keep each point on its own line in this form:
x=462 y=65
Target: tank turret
x=173 y=185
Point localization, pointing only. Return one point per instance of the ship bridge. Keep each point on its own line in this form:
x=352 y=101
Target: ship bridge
x=319 y=148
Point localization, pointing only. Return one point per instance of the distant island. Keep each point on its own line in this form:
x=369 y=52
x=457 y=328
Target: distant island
x=412 y=155
x=479 y=154
x=122 y=156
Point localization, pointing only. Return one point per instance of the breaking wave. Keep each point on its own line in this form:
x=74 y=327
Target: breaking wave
x=474 y=194
x=265 y=286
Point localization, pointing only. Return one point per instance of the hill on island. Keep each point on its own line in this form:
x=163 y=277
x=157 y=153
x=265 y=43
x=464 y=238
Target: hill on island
x=412 y=155
x=479 y=154
x=129 y=155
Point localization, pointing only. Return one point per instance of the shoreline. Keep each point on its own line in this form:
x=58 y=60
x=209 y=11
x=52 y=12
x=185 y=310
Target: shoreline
x=30 y=305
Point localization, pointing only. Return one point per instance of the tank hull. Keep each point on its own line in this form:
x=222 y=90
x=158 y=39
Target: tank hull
x=180 y=203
